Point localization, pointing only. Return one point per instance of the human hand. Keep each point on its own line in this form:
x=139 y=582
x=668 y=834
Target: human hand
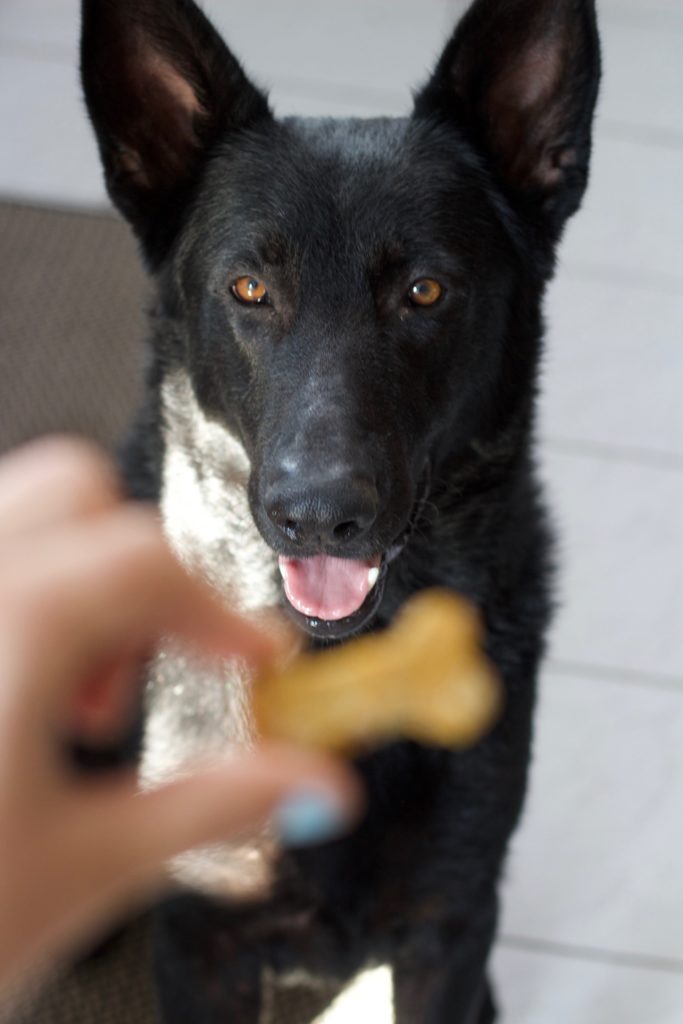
x=87 y=585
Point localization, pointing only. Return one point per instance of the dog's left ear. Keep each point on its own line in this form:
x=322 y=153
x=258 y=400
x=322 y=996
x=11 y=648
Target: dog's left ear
x=521 y=78
x=162 y=89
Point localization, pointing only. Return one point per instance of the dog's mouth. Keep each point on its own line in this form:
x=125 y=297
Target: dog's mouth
x=333 y=598
x=329 y=588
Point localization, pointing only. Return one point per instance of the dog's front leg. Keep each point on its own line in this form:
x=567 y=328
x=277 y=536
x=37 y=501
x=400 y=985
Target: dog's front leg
x=442 y=979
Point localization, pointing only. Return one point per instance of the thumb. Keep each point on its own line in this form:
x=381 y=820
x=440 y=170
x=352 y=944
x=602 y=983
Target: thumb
x=229 y=798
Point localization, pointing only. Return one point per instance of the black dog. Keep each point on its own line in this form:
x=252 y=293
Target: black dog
x=346 y=337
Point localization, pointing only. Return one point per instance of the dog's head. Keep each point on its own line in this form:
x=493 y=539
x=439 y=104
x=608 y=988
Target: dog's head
x=355 y=301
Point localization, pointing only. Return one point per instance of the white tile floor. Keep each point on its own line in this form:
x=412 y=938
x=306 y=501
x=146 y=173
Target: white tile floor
x=593 y=922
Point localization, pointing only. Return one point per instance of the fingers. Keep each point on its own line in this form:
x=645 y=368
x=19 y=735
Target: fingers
x=105 y=704
x=121 y=840
x=83 y=587
x=93 y=589
x=52 y=481
x=225 y=800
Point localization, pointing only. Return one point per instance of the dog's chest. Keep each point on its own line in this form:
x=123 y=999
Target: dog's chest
x=197 y=709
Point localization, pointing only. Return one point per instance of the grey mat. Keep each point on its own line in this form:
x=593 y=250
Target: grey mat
x=71 y=323
x=113 y=988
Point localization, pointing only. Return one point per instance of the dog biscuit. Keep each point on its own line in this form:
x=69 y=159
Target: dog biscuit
x=425 y=678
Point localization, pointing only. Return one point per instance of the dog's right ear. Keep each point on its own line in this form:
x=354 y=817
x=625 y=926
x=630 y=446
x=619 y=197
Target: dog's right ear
x=520 y=77
x=161 y=89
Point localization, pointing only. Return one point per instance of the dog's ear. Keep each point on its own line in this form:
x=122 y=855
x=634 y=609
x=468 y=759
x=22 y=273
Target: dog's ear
x=161 y=88
x=521 y=78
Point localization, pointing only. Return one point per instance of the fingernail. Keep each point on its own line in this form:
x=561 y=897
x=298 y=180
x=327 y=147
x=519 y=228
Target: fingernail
x=308 y=817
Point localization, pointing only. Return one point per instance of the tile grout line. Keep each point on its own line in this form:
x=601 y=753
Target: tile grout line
x=623 y=131
x=601 y=274
x=104 y=209
x=45 y=53
x=591 y=954
x=634 y=14
x=668 y=682
x=642 y=19
x=343 y=91
x=648 y=457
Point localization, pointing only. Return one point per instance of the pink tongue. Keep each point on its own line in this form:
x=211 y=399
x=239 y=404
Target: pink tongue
x=327 y=588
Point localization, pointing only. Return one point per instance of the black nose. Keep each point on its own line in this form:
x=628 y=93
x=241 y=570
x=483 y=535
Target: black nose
x=323 y=511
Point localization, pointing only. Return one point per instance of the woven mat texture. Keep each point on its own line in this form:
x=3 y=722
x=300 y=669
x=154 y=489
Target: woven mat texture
x=72 y=295
x=71 y=325
x=114 y=987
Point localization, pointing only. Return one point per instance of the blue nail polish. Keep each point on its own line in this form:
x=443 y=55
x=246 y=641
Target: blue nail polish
x=309 y=817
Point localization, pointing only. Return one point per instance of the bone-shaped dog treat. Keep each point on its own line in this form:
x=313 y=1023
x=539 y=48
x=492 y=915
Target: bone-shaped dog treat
x=425 y=678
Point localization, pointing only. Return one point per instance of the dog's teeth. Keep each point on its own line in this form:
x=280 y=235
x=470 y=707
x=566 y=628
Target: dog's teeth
x=373 y=575
x=283 y=570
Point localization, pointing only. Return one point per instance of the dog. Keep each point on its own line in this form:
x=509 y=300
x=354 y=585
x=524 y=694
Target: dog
x=340 y=411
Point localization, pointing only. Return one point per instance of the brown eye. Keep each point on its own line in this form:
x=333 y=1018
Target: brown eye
x=250 y=289
x=425 y=292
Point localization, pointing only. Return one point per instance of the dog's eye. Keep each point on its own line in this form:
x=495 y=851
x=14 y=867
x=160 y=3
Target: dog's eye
x=425 y=292
x=250 y=289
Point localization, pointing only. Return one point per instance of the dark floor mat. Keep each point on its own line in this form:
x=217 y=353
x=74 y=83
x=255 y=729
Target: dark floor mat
x=71 y=324
x=114 y=987
x=72 y=294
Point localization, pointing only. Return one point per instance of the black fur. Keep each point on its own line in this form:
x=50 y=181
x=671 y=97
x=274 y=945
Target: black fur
x=427 y=414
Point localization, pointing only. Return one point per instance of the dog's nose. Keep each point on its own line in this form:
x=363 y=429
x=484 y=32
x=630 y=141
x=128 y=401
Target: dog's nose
x=322 y=512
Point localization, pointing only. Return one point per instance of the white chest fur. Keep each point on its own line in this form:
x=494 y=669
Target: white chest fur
x=195 y=710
